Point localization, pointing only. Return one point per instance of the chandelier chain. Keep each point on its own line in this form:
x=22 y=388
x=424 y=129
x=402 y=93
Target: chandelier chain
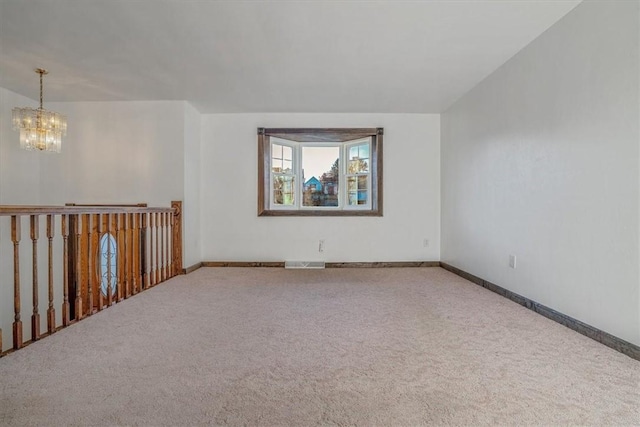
x=41 y=73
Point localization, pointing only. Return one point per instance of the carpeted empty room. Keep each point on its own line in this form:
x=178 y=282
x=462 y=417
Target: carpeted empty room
x=269 y=346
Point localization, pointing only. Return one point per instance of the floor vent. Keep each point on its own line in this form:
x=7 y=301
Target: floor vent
x=304 y=264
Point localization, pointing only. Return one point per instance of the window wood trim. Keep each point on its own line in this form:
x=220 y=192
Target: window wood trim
x=319 y=135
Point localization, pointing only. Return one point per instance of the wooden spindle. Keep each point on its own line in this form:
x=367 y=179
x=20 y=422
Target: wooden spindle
x=126 y=221
x=135 y=253
x=152 y=267
x=99 y=228
x=131 y=271
x=144 y=253
x=142 y=248
x=79 y=314
x=170 y=244
x=64 y=224
x=51 y=312
x=90 y=262
x=35 y=317
x=108 y=234
x=162 y=265
x=158 y=266
x=119 y=295
x=165 y=245
x=176 y=239
x=17 y=323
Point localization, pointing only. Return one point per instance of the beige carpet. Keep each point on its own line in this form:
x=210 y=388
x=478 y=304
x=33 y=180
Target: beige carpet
x=368 y=347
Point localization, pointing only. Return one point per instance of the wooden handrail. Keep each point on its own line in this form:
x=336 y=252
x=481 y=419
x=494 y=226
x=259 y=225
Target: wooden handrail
x=10 y=210
x=143 y=248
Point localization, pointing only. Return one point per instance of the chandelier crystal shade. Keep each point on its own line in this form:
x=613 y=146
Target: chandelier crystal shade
x=40 y=129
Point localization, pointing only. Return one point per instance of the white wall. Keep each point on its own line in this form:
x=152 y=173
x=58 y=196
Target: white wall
x=191 y=242
x=117 y=152
x=232 y=231
x=541 y=160
x=19 y=169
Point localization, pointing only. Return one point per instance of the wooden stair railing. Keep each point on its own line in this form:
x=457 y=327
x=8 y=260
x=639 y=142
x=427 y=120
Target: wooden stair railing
x=109 y=253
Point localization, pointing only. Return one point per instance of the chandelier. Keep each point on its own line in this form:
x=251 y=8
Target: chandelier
x=39 y=129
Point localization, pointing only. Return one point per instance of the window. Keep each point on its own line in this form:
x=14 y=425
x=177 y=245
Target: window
x=108 y=264
x=316 y=172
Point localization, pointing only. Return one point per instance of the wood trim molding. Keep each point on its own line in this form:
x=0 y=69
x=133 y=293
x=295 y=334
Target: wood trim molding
x=320 y=134
x=383 y=264
x=596 y=334
x=380 y=264
x=242 y=264
x=191 y=268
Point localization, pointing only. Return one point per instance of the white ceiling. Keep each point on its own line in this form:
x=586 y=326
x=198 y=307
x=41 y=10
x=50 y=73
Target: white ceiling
x=266 y=56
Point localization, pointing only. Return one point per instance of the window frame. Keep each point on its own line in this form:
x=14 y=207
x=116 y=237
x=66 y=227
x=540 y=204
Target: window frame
x=331 y=136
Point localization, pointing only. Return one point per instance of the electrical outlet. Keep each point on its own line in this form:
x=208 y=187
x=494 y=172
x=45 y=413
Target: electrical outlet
x=512 y=261
x=425 y=243
x=321 y=245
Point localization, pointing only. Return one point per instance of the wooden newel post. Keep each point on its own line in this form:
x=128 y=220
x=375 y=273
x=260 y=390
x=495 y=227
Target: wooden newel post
x=35 y=317
x=17 y=323
x=176 y=240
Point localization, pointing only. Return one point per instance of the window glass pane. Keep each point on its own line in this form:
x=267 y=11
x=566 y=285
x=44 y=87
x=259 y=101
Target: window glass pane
x=362 y=197
x=363 y=151
x=358 y=159
x=351 y=183
x=276 y=151
x=358 y=166
x=353 y=152
x=286 y=166
x=363 y=186
x=276 y=166
x=357 y=189
x=276 y=158
x=287 y=153
x=362 y=183
x=283 y=190
x=321 y=172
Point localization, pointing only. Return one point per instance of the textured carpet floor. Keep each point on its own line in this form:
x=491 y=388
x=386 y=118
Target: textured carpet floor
x=413 y=346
